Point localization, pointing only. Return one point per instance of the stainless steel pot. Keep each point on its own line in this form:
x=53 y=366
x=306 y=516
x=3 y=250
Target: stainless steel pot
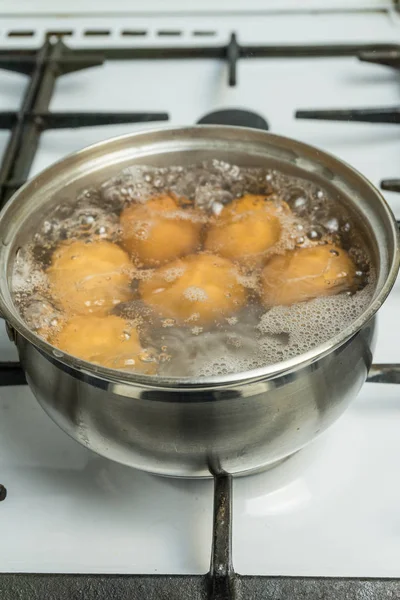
x=240 y=422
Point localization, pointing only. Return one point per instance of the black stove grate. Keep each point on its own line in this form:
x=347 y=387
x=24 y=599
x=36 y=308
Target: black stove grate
x=365 y=115
x=43 y=66
x=389 y=57
x=221 y=583
x=191 y=587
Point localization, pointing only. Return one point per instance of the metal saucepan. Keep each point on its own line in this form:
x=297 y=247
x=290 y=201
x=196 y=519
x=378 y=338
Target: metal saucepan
x=241 y=422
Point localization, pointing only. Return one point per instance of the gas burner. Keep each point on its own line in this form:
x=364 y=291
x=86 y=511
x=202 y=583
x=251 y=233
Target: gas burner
x=235 y=117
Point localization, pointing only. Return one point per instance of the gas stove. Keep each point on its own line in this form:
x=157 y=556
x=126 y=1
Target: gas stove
x=325 y=523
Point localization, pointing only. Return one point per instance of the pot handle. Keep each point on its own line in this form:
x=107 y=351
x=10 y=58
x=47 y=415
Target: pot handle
x=384 y=373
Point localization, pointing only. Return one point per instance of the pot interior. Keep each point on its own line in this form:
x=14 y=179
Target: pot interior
x=63 y=181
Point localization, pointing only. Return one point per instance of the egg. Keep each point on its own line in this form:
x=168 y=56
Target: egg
x=246 y=228
x=89 y=278
x=306 y=273
x=159 y=231
x=198 y=289
x=109 y=341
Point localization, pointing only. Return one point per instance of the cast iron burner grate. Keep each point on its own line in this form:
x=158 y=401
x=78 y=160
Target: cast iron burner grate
x=54 y=59
x=221 y=583
x=43 y=66
x=390 y=58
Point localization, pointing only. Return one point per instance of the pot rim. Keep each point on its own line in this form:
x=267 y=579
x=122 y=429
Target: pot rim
x=10 y=312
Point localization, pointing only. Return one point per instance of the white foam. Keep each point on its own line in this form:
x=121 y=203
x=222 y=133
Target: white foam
x=173 y=273
x=195 y=294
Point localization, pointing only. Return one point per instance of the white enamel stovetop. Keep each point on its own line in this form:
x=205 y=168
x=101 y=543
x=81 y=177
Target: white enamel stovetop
x=334 y=509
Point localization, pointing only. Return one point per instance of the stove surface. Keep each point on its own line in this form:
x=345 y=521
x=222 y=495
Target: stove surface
x=331 y=510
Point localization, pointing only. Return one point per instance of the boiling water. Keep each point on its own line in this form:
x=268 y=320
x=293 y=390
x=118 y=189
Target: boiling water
x=251 y=338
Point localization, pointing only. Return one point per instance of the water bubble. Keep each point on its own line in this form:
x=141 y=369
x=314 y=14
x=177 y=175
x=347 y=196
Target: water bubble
x=168 y=322
x=147 y=356
x=129 y=362
x=232 y=320
x=315 y=234
x=87 y=219
x=141 y=233
x=217 y=208
x=346 y=227
x=298 y=201
x=332 y=225
x=196 y=330
x=300 y=204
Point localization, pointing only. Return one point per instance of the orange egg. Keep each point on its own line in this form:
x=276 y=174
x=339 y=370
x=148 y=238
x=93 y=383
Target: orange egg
x=197 y=289
x=305 y=274
x=159 y=231
x=89 y=278
x=109 y=341
x=246 y=228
